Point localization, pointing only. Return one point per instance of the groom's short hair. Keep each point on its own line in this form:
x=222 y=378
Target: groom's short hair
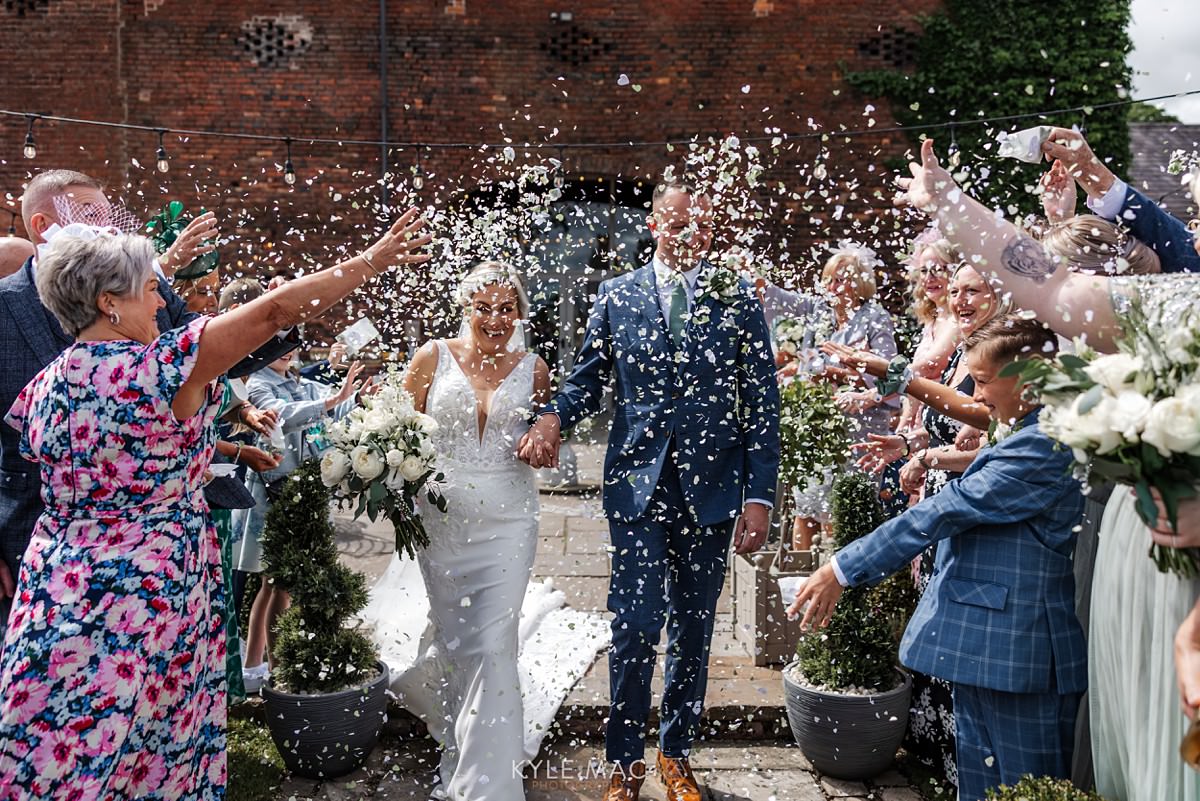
x=684 y=184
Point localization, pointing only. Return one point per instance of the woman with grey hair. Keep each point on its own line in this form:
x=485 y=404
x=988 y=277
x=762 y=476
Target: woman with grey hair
x=112 y=680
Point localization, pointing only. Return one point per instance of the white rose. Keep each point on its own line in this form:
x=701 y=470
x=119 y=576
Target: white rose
x=334 y=466
x=412 y=468
x=1098 y=425
x=378 y=421
x=336 y=433
x=366 y=462
x=1114 y=371
x=355 y=431
x=394 y=481
x=1130 y=414
x=426 y=423
x=394 y=458
x=1173 y=425
x=1178 y=340
x=425 y=449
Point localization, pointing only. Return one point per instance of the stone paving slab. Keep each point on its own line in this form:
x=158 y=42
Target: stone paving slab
x=739 y=758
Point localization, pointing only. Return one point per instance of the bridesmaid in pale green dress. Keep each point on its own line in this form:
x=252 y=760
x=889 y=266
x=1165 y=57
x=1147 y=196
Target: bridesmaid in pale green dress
x=1137 y=723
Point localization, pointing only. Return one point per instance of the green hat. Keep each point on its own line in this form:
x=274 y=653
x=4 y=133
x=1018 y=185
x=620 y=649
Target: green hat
x=164 y=228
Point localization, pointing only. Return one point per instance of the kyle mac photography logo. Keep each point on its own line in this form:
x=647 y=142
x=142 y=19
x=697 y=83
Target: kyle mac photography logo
x=548 y=774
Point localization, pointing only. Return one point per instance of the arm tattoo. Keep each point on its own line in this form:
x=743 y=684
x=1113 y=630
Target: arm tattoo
x=1027 y=258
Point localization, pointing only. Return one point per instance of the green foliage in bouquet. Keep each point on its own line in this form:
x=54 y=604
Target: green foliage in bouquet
x=1041 y=789
x=814 y=432
x=1129 y=416
x=165 y=227
x=314 y=652
x=858 y=647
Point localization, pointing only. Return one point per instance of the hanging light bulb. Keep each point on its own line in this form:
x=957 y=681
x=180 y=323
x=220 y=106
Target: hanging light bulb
x=559 y=177
x=289 y=171
x=30 y=147
x=418 y=179
x=12 y=222
x=163 y=161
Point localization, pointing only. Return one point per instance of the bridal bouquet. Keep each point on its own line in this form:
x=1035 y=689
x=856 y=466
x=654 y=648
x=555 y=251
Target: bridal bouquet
x=789 y=334
x=382 y=458
x=1132 y=416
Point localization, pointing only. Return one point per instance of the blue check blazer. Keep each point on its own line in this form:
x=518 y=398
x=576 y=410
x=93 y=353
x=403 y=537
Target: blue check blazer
x=715 y=401
x=999 y=611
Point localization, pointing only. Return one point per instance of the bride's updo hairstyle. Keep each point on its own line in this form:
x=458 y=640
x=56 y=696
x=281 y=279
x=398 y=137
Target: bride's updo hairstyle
x=490 y=273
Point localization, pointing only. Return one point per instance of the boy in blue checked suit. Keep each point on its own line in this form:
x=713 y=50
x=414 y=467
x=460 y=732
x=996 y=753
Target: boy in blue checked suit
x=998 y=618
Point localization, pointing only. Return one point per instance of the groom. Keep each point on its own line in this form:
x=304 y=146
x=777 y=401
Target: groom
x=694 y=445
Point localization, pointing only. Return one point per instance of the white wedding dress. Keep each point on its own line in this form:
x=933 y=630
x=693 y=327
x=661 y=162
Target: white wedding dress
x=451 y=637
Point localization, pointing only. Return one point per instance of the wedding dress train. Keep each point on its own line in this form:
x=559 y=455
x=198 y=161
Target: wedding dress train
x=450 y=625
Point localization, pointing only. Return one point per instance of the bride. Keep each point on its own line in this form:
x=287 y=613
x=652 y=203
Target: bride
x=480 y=388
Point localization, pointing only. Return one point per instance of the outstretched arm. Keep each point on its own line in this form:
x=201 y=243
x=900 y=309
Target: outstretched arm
x=1112 y=198
x=944 y=399
x=1004 y=490
x=233 y=335
x=1070 y=303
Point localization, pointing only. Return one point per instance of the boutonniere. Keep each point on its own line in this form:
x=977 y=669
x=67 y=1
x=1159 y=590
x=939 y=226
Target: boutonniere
x=720 y=284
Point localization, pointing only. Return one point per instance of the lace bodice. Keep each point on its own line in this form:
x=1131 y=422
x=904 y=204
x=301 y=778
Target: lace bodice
x=1168 y=307
x=452 y=402
x=1168 y=301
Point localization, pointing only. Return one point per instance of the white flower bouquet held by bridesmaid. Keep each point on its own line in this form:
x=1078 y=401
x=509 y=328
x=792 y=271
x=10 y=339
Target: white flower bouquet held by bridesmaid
x=382 y=457
x=1133 y=416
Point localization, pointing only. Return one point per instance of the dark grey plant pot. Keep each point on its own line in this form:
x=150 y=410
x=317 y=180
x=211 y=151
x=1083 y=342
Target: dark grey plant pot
x=327 y=735
x=851 y=737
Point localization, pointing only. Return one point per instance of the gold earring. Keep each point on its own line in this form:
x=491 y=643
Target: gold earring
x=114 y=318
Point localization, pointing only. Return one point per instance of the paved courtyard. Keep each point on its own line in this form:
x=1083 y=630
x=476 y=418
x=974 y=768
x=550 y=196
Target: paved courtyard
x=747 y=753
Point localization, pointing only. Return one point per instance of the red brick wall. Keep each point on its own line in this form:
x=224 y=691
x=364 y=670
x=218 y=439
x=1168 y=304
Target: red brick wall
x=458 y=71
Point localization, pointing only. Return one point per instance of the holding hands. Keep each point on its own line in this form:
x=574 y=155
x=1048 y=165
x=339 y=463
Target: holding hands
x=539 y=447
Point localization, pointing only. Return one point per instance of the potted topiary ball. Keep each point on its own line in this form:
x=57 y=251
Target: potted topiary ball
x=326 y=701
x=847 y=700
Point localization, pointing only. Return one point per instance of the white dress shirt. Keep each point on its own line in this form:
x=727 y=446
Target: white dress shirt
x=1109 y=204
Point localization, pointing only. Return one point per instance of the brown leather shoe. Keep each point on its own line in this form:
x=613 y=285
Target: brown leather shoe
x=676 y=775
x=626 y=783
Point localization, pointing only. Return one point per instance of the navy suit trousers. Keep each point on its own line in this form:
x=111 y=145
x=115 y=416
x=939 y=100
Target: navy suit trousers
x=665 y=568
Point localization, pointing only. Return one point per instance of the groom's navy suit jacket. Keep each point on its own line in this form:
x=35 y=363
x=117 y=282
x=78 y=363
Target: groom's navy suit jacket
x=31 y=338
x=999 y=611
x=713 y=405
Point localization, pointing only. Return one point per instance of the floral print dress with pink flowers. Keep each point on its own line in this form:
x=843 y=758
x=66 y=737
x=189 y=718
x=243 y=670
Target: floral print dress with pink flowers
x=113 y=670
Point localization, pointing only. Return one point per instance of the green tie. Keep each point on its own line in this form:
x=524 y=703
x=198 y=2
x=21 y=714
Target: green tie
x=679 y=306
